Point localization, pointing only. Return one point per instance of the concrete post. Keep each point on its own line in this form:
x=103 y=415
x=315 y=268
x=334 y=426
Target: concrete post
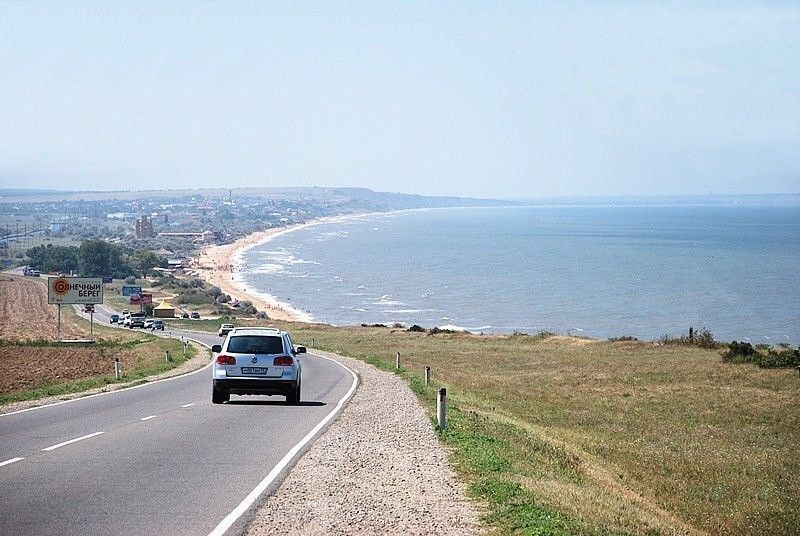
x=166 y=356
x=441 y=409
x=397 y=361
x=117 y=369
x=427 y=375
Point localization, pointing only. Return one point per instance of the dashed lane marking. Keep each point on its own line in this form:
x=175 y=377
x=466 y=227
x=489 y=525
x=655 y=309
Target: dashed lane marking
x=87 y=436
x=9 y=462
x=148 y=418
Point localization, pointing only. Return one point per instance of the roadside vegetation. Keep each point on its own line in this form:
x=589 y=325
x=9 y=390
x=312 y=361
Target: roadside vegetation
x=562 y=435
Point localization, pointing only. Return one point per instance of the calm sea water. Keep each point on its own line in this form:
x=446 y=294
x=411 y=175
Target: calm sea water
x=595 y=271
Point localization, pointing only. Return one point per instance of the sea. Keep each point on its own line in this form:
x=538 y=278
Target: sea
x=595 y=271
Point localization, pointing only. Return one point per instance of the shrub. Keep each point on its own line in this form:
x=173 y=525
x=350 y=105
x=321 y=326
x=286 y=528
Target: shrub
x=130 y=280
x=417 y=329
x=740 y=352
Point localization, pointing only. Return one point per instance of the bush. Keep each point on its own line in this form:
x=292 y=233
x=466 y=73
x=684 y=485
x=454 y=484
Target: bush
x=247 y=308
x=416 y=329
x=740 y=352
x=130 y=280
x=703 y=339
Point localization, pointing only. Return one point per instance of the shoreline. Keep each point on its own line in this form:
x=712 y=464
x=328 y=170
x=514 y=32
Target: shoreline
x=221 y=265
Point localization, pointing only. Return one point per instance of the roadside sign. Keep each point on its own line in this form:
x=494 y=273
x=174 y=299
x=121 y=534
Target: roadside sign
x=146 y=297
x=136 y=298
x=108 y=280
x=69 y=290
x=128 y=290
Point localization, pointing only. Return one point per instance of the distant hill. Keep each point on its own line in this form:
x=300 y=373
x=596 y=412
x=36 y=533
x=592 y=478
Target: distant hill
x=350 y=199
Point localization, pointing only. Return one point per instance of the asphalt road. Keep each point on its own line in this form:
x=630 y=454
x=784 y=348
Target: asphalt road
x=158 y=458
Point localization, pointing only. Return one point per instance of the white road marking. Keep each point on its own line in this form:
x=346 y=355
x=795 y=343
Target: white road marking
x=188 y=405
x=54 y=447
x=9 y=462
x=148 y=418
x=248 y=501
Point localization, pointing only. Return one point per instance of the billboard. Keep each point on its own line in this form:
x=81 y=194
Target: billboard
x=141 y=298
x=68 y=290
x=128 y=290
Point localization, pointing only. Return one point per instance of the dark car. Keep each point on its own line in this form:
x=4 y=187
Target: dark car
x=196 y=315
x=114 y=319
x=185 y=315
x=158 y=324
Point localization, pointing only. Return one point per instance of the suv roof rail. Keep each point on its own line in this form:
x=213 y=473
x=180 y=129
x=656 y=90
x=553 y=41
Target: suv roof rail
x=257 y=328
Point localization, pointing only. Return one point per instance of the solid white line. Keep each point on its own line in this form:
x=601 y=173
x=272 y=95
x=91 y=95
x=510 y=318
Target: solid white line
x=116 y=391
x=188 y=405
x=148 y=418
x=237 y=512
x=9 y=462
x=54 y=447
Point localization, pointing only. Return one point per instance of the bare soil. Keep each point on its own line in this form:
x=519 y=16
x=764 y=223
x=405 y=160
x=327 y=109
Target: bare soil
x=29 y=367
x=25 y=313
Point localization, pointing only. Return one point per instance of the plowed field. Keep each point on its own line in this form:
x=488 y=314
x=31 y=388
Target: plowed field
x=25 y=313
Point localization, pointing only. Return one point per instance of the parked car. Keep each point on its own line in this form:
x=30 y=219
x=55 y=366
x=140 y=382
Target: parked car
x=256 y=361
x=185 y=315
x=114 y=319
x=196 y=315
x=224 y=329
x=158 y=324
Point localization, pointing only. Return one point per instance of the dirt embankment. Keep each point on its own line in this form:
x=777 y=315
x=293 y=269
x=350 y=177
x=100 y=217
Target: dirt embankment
x=25 y=313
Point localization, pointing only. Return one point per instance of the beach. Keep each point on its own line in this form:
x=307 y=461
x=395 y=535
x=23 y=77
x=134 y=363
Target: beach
x=217 y=265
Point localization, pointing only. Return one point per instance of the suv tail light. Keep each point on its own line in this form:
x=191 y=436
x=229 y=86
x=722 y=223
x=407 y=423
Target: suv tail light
x=226 y=360
x=283 y=361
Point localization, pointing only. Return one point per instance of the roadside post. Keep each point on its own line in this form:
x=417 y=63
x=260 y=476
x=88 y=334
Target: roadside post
x=441 y=409
x=117 y=369
x=427 y=375
x=58 y=336
x=166 y=355
x=397 y=361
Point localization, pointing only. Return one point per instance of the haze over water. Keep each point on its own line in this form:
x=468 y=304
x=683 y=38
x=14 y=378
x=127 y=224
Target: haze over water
x=594 y=271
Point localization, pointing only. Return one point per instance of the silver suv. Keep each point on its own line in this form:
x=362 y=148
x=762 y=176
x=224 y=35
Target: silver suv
x=256 y=361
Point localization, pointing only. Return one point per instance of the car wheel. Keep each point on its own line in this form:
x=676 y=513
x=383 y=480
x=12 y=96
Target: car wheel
x=218 y=397
x=293 y=397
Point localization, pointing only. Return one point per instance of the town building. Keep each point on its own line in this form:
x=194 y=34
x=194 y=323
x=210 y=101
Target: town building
x=143 y=228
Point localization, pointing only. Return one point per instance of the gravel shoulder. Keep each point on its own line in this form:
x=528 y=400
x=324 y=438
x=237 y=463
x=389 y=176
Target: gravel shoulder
x=378 y=469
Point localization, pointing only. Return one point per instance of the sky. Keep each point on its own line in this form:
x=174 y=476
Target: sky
x=483 y=99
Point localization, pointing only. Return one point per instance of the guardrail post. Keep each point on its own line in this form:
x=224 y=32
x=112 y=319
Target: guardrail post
x=117 y=369
x=166 y=355
x=397 y=361
x=441 y=409
x=427 y=375
x=312 y=342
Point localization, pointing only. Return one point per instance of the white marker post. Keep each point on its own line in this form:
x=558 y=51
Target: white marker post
x=427 y=375
x=397 y=361
x=441 y=409
x=117 y=369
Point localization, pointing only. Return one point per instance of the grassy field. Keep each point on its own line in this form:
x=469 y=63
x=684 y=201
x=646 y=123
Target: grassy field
x=569 y=436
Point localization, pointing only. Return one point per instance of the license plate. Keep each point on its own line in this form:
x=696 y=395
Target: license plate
x=254 y=370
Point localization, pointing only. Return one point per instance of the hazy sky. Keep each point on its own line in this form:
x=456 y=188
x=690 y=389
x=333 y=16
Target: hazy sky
x=493 y=99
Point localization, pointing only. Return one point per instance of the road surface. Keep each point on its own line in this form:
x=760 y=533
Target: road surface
x=158 y=458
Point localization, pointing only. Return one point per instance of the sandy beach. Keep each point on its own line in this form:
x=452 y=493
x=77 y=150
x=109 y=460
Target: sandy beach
x=217 y=265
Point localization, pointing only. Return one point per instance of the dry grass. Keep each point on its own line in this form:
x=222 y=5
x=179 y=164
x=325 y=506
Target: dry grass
x=625 y=436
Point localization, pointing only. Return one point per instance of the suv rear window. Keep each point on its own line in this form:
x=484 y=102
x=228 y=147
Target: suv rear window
x=255 y=344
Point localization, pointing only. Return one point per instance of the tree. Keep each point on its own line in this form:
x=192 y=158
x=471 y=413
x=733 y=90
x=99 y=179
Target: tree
x=52 y=258
x=97 y=258
x=144 y=260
